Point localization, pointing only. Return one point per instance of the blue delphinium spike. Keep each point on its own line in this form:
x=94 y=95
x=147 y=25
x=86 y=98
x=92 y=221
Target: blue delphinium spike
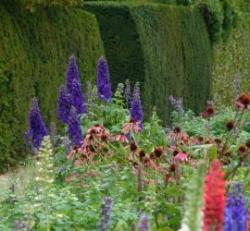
x=135 y=106
x=236 y=213
x=103 y=81
x=106 y=214
x=64 y=104
x=78 y=99
x=37 y=129
x=143 y=223
x=72 y=73
x=74 y=127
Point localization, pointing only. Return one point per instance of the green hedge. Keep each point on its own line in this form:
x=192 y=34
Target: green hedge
x=232 y=58
x=34 y=49
x=166 y=48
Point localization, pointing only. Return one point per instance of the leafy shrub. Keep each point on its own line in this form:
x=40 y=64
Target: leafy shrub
x=146 y=172
x=29 y=4
x=219 y=17
x=213 y=14
x=154 y=47
x=232 y=62
x=33 y=55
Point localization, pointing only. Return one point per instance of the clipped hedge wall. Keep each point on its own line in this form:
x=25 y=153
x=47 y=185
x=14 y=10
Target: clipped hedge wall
x=34 y=49
x=230 y=59
x=166 y=48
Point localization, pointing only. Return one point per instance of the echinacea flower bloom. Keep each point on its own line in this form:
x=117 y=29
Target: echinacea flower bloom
x=64 y=104
x=181 y=156
x=131 y=126
x=230 y=125
x=78 y=99
x=121 y=138
x=236 y=212
x=74 y=127
x=72 y=73
x=143 y=223
x=103 y=82
x=37 y=129
x=106 y=214
x=135 y=106
x=209 y=110
x=243 y=101
x=214 y=198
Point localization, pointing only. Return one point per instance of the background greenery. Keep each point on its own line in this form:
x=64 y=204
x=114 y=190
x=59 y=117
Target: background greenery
x=166 y=48
x=230 y=59
x=34 y=50
x=185 y=51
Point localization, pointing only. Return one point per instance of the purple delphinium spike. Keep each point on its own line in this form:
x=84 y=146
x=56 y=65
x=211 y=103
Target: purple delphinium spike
x=143 y=223
x=64 y=104
x=237 y=85
x=236 y=213
x=103 y=82
x=106 y=214
x=72 y=73
x=177 y=104
x=18 y=225
x=78 y=99
x=127 y=91
x=135 y=105
x=37 y=129
x=74 y=127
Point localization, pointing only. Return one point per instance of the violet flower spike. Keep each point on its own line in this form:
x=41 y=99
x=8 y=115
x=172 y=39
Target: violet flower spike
x=74 y=128
x=103 y=81
x=106 y=214
x=64 y=103
x=135 y=106
x=143 y=223
x=177 y=104
x=236 y=212
x=127 y=91
x=72 y=73
x=78 y=99
x=37 y=129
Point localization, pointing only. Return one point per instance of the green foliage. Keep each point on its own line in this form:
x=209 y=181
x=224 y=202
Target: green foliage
x=192 y=218
x=29 y=4
x=158 y=45
x=138 y=1
x=66 y=194
x=214 y=126
x=34 y=49
x=152 y=135
x=231 y=59
x=219 y=17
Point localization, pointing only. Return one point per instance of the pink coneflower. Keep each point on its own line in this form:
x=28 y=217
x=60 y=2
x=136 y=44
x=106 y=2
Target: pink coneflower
x=181 y=156
x=214 y=198
x=243 y=101
x=121 y=138
x=131 y=126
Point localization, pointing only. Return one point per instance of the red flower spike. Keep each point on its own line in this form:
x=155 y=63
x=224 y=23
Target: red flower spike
x=214 y=198
x=248 y=223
